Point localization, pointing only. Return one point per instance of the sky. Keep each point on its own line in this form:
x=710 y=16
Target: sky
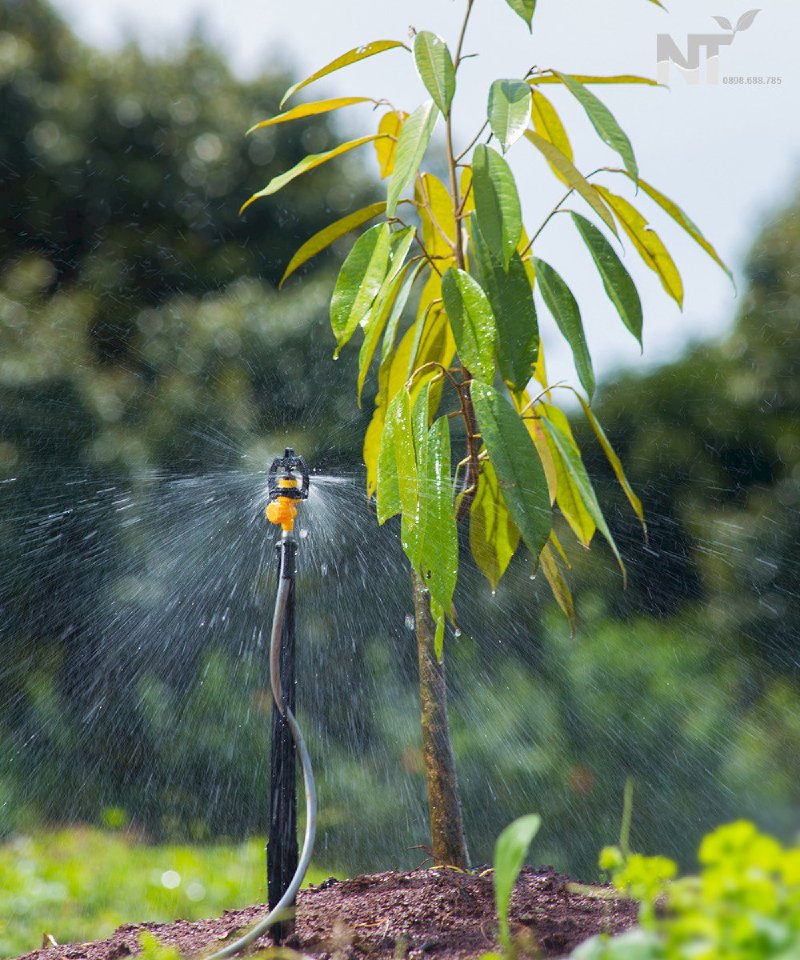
x=728 y=153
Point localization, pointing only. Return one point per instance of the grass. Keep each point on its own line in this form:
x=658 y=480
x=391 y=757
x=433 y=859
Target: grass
x=80 y=884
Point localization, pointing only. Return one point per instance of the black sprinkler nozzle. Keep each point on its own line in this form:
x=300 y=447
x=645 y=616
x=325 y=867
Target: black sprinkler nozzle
x=288 y=477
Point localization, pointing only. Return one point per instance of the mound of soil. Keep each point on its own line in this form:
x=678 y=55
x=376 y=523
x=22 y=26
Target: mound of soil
x=439 y=914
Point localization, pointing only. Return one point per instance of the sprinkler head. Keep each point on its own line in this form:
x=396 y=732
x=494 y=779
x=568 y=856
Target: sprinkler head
x=287 y=482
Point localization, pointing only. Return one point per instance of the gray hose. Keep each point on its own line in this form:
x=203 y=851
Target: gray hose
x=276 y=914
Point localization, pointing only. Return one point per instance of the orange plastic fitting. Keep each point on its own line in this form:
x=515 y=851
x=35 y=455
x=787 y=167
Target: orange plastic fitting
x=282 y=511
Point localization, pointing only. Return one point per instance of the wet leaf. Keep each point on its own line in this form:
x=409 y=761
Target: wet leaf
x=574 y=464
x=386 y=145
x=558 y=584
x=509 y=856
x=617 y=281
x=325 y=237
x=508 y=110
x=359 y=281
x=519 y=470
x=566 y=312
x=570 y=175
x=472 y=321
x=496 y=202
x=493 y=537
x=647 y=243
x=435 y=68
x=311 y=110
x=603 y=121
x=548 y=125
x=511 y=299
x=352 y=56
x=411 y=145
x=569 y=495
x=307 y=163
x=524 y=9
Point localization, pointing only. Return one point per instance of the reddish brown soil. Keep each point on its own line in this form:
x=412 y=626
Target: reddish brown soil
x=439 y=914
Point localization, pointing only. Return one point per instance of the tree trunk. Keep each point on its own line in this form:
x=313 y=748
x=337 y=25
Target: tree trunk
x=449 y=845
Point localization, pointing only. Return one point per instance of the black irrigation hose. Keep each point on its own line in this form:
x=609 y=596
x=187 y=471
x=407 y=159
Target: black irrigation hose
x=278 y=912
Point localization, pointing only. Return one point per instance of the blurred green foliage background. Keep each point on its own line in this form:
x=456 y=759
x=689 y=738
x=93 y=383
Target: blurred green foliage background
x=142 y=340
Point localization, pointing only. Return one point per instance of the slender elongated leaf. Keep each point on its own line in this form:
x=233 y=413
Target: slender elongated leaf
x=435 y=68
x=569 y=495
x=388 y=502
x=511 y=298
x=524 y=9
x=352 y=56
x=577 y=470
x=603 y=121
x=306 y=164
x=325 y=237
x=566 y=312
x=508 y=110
x=397 y=311
x=386 y=145
x=684 y=221
x=411 y=145
x=558 y=584
x=647 y=243
x=493 y=537
x=593 y=80
x=438 y=539
x=617 y=281
x=472 y=321
x=616 y=463
x=359 y=281
x=519 y=470
x=509 y=855
x=548 y=125
x=572 y=177
x=437 y=218
x=311 y=110
x=496 y=202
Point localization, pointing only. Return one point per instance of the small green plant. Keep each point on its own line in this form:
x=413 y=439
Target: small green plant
x=153 y=949
x=509 y=855
x=743 y=905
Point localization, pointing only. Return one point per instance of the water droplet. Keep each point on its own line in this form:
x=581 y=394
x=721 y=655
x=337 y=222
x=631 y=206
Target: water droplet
x=323 y=569
x=303 y=534
x=410 y=622
x=457 y=632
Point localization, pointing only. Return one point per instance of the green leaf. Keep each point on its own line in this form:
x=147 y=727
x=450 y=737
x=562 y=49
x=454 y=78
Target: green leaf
x=524 y=9
x=617 y=281
x=435 y=68
x=437 y=535
x=519 y=470
x=311 y=110
x=493 y=538
x=325 y=237
x=352 y=56
x=397 y=312
x=569 y=173
x=684 y=221
x=509 y=110
x=616 y=463
x=397 y=471
x=558 y=584
x=509 y=856
x=387 y=499
x=574 y=464
x=603 y=121
x=586 y=79
x=496 y=202
x=306 y=164
x=566 y=312
x=511 y=299
x=472 y=321
x=648 y=244
x=359 y=281
x=411 y=145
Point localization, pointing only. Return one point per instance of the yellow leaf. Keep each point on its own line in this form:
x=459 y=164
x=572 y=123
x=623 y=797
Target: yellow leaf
x=467 y=191
x=558 y=584
x=543 y=449
x=568 y=496
x=389 y=129
x=437 y=218
x=570 y=174
x=311 y=110
x=647 y=243
x=493 y=536
x=548 y=125
x=587 y=79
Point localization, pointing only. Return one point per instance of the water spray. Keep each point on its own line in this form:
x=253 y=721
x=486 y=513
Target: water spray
x=287 y=485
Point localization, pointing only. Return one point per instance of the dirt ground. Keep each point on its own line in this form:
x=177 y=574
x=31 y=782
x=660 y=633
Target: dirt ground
x=440 y=914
